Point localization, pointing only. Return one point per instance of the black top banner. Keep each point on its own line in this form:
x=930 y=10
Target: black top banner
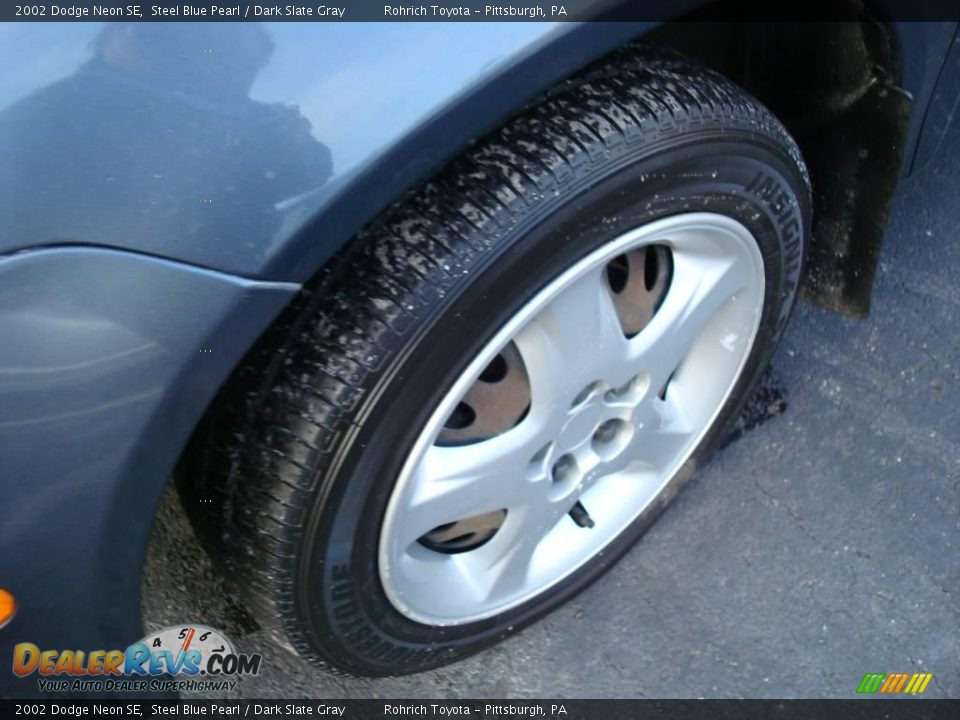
x=469 y=11
x=491 y=709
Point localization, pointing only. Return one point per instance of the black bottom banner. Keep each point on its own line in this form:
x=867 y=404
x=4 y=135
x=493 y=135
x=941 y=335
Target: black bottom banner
x=892 y=709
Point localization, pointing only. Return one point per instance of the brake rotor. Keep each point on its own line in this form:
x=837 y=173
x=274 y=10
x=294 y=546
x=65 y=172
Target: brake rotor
x=463 y=535
x=496 y=402
x=638 y=282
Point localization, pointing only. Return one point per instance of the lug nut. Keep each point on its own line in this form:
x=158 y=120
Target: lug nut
x=587 y=393
x=563 y=468
x=606 y=432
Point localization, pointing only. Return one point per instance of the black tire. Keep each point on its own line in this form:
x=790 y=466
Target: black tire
x=303 y=448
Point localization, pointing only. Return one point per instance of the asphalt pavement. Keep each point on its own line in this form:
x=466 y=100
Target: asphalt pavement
x=820 y=545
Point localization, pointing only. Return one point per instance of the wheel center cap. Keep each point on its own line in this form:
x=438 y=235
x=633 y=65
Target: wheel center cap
x=580 y=427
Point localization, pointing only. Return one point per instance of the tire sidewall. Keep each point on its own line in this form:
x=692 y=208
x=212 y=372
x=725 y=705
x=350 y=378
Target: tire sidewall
x=341 y=602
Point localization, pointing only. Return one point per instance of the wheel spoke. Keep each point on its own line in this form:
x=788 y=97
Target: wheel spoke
x=573 y=341
x=455 y=483
x=660 y=436
x=699 y=289
x=509 y=566
x=512 y=568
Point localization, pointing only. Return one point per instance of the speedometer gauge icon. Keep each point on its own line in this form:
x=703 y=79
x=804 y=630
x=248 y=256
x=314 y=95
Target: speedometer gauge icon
x=179 y=640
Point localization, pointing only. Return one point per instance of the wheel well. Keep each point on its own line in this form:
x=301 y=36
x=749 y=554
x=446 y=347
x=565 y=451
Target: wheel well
x=833 y=85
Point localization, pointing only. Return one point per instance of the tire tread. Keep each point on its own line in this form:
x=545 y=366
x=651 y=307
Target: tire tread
x=272 y=438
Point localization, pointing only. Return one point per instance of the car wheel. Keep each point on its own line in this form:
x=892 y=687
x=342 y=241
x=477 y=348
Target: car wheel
x=494 y=391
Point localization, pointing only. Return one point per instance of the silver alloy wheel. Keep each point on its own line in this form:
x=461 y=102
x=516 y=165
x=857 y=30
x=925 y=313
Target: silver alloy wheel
x=613 y=407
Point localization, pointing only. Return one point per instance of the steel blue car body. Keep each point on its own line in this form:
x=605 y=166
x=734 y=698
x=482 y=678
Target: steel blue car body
x=164 y=193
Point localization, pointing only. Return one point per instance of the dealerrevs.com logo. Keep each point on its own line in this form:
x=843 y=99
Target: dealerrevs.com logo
x=191 y=658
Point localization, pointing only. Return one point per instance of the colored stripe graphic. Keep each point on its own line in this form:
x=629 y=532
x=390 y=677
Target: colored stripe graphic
x=893 y=683
x=919 y=682
x=871 y=682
